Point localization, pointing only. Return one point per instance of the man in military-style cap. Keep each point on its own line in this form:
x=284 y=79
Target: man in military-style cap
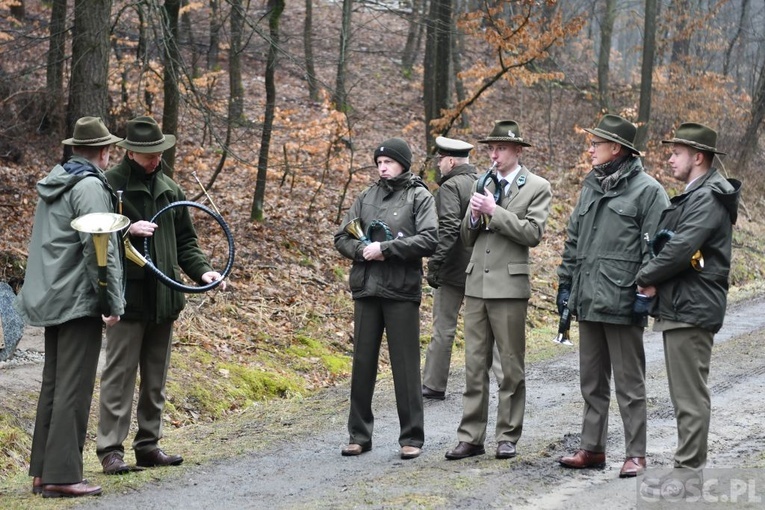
x=60 y=294
x=604 y=250
x=446 y=267
x=144 y=336
x=497 y=290
x=689 y=277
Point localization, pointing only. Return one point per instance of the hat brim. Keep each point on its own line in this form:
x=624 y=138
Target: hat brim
x=109 y=141
x=518 y=141
x=611 y=138
x=695 y=145
x=148 y=149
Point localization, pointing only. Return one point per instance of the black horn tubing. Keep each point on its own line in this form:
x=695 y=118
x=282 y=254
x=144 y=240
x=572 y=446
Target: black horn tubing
x=177 y=285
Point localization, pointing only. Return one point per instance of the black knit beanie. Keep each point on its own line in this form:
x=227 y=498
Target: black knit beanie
x=396 y=149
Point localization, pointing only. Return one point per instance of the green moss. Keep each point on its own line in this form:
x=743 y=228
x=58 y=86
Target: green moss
x=15 y=443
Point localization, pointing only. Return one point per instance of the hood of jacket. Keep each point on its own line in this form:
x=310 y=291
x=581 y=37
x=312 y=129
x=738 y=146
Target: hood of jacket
x=402 y=181
x=727 y=191
x=457 y=170
x=64 y=177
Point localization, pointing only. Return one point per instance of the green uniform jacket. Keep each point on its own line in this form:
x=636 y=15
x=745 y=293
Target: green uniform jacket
x=451 y=258
x=606 y=247
x=702 y=218
x=174 y=245
x=499 y=265
x=406 y=205
x=61 y=282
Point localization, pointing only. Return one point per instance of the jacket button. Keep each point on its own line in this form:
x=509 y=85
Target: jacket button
x=488 y=251
x=485 y=270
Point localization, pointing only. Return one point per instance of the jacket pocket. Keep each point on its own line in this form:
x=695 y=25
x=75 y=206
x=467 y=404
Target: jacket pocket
x=623 y=208
x=358 y=276
x=514 y=269
x=615 y=287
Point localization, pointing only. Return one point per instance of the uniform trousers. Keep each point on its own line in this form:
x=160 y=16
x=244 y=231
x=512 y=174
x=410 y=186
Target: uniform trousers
x=129 y=345
x=601 y=347
x=69 y=375
x=490 y=321
x=401 y=322
x=447 y=301
x=687 y=352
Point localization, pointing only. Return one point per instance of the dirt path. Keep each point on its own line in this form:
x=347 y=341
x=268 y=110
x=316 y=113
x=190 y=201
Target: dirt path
x=305 y=470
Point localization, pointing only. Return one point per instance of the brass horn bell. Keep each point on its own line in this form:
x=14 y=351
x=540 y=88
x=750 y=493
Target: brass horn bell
x=354 y=229
x=100 y=226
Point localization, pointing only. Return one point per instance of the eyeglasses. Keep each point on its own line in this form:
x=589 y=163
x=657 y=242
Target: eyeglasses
x=595 y=144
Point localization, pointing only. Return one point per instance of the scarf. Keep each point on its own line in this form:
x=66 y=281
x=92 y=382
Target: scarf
x=608 y=174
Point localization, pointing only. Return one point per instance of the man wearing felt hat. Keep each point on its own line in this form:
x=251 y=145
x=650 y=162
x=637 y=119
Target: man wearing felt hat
x=60 y=294
x=691 y=295
x=497 y=290
x=446 y=267
x=604 y=250
x=143 y=336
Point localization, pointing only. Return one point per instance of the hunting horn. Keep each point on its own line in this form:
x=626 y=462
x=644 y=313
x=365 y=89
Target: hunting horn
x=100 y=226
x=353 y=228
x=480 y=187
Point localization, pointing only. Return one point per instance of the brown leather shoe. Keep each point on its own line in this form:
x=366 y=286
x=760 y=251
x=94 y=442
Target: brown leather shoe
x=465 y=450
x=433 y=394
x=114 y=465
x=71 y=490
x=505 y=450
x=410 y=452
x=632 y=467
x=37 y=485
x=584 y=459
x=353 y=449
x=157 y=457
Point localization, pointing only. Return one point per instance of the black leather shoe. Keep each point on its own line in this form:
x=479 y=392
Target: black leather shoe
x=157 y=458
x=114 y=465
x=433 y=394
x=505 y=450
x=465 y=450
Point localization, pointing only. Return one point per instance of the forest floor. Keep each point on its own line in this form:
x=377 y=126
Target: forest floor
x=286 y=454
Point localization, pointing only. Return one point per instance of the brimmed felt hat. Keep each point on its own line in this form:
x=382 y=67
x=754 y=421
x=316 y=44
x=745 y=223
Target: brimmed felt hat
x=396 y=149
x=453 y=147
x=91 y=132
x=697 y=136
x=145 y=136
x=616 y=129
x=506 y=131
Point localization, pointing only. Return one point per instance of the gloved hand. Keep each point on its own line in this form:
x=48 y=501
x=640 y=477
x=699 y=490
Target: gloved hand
x=641 y=307
x=564 y=293
x=432 y=275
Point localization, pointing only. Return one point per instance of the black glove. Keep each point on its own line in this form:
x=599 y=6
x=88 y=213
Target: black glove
x=432 y=276
x=564 y=293
x=641 y=307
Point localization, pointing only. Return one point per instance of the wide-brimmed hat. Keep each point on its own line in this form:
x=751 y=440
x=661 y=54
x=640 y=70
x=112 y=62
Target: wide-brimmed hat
x=506 y=131
x=616 y=129
x=453 y=147
x=697 y=136
x=145 y=136
x=91 y=132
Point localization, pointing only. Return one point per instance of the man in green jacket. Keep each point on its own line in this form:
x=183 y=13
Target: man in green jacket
x=604 y=250
x=689 y=277
x=143 y=336
x=446 y=267
x=60 y=293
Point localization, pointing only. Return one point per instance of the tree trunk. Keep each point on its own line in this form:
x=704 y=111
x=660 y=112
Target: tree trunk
x=215 y=25
x=646 y=73
x=750 y=140
x=410 y=49
x=18 y=10
x=310 y=71
x=88 y=88
x=236 y=89
x=54 y=71
x=740 y=28
x=458 y=48
x=437 y=58
x=340 y=96
x=681 y=40
x=604 y=58
x=276 y=8
x=172 y=57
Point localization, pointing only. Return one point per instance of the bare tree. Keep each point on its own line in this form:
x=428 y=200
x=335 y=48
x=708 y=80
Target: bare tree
x=646 y=72
x=276 y=7
x=215 y=26
x=413 y=36
x=749 y=142
x=340 y=96
x=604 y=57
x=310 y=71
x=172 y=61
x=236 y=89
x=739 y=28
x=88 y=89
x=54 y=72
x=437 y=58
